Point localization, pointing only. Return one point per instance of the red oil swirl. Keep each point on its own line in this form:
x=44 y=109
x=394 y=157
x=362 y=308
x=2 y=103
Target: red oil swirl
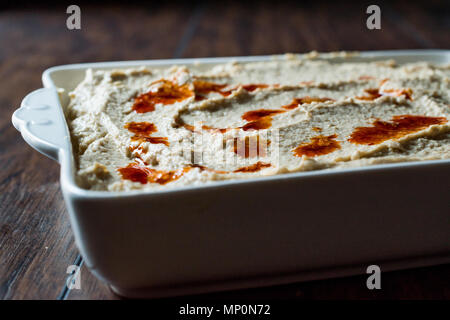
x=254 y=167
x=143 y=131
x=138 y=173
x=161 y=92
x=319 y=145
x=398 y=127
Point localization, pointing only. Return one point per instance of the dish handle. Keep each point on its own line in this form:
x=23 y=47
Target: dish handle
x=41 y=122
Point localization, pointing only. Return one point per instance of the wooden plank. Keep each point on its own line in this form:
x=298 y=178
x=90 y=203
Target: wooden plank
x=37 y=244
x=428 y=21
x=251 y=28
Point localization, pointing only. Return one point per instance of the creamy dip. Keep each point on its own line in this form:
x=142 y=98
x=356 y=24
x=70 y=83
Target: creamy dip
x=150 y=128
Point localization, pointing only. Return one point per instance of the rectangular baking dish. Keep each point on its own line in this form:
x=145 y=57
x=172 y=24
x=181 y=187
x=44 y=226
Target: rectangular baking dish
x=245 y=233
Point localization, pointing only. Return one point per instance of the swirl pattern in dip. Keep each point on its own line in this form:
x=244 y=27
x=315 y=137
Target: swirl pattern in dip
x=150 y=128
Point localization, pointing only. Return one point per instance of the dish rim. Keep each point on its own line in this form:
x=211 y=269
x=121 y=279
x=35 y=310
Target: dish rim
x=67 y=160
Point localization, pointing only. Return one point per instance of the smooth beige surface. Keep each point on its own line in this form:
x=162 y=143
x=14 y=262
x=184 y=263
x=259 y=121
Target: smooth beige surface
x=101 y=106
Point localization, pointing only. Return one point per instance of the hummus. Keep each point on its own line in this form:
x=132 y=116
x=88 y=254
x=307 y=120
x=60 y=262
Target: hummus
x=151 y=128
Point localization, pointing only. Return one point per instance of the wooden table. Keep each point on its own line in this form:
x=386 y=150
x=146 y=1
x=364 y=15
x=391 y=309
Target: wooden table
x=36 y=241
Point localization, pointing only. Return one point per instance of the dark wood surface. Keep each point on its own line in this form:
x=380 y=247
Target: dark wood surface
x=36 y=242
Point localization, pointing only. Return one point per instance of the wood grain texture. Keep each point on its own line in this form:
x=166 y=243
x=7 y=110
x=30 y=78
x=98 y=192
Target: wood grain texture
x=427 y=22
x=252 y=28
x=36 y=241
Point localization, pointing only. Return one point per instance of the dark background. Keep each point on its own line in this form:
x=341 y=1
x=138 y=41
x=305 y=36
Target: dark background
x=36 y=241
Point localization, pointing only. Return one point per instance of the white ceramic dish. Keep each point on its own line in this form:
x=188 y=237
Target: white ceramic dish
x=245 y=233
